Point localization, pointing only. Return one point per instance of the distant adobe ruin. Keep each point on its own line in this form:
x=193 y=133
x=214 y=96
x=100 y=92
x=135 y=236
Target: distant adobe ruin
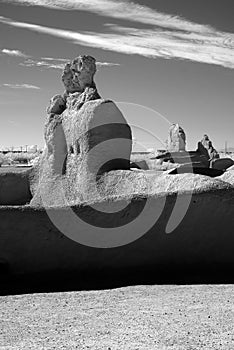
x=176 y=141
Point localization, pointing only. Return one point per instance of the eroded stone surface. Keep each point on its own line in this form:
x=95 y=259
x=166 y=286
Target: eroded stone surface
x=76 y=100
x=85 y=136
x=206 y=148
x=81 y=145
x=77 y=78
x=78 y=74
x=57 y=105
x=176 y=139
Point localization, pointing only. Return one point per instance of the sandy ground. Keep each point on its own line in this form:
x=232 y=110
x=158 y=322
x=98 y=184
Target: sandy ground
x=140 y=317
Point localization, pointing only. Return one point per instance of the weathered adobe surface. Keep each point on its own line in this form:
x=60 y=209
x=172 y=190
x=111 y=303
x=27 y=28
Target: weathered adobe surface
x=115 y=184
x=176 y=150
x=205 y=235
x=176 y=139
x=85 y=136
x=228 y=176
x=205 y=156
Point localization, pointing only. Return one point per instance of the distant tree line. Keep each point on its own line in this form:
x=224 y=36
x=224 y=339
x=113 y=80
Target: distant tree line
x=21 y=149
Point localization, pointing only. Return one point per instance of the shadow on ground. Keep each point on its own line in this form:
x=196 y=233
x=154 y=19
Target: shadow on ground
x=98 y=280
x=36 y=257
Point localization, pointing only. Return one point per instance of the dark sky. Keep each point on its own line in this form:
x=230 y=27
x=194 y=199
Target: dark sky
x=166 y=69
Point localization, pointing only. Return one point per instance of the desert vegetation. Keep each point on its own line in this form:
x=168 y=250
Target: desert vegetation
x=18 y=158
x=227 y=155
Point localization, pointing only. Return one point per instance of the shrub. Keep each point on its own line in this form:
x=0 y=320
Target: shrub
x=23 y=158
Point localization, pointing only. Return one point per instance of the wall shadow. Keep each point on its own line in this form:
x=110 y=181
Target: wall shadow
x=115 y=278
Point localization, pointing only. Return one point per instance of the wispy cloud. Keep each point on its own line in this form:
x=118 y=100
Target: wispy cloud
x=14 y=53
x=55 y=59
x=169 y=37
x=106 y=64
x=52 y=64
x=55 y=63
x=127 y=10
x=21 y=86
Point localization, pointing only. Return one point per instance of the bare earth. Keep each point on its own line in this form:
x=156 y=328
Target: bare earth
x=140 y=317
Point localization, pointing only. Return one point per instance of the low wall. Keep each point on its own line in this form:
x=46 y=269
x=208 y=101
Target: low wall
x=30 y=243
x=14 y=188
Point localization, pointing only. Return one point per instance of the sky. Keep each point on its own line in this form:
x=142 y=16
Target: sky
x=161 y=61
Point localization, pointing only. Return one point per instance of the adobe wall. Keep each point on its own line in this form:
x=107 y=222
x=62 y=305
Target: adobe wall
x=30 y=243
x=14 y=188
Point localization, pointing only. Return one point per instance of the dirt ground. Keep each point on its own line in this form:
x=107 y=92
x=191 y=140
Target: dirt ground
x=160 y=317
